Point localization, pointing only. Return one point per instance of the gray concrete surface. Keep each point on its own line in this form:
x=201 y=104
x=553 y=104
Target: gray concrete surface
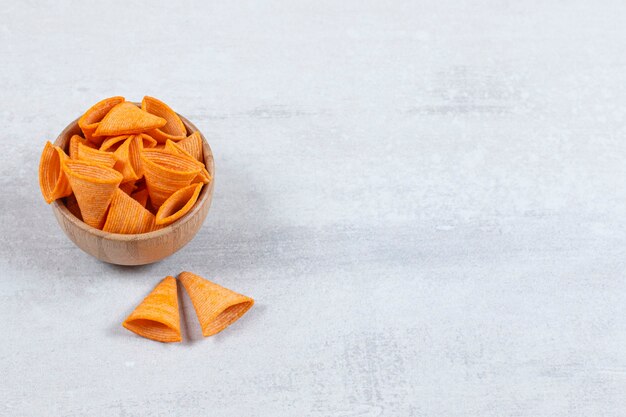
x=426 y=200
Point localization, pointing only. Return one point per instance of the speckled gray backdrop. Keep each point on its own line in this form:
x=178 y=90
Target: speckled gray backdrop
x=426 y=199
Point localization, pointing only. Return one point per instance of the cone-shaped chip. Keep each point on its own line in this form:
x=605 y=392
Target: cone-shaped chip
x=217 y=307
x=126 y=119
x=113 y=142
x=52 y=180
x=126 y=165
x=75 y=140
x=203 y=176
x=92 y=117
x=127 y=216
x=93 y=186
x=157 y=317
x=174 y=129
x=89 y=154
x=166 y=173
x=178 y=204
x=192 y=145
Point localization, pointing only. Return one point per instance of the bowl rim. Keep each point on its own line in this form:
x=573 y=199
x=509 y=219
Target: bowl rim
x=207 y=192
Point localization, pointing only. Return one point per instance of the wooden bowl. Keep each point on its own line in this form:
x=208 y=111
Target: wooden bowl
x=138 y=249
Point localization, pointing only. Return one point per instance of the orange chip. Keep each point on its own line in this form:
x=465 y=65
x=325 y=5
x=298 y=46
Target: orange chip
x=127 y=216
x=192 y=145
x=73 y=146
x=126 y=118
x=174 y=129
x=157 y=316
x=94 y=186
x=85 y=153
x=111 y=144
x=128 y=159
x=128 y=187
x=89 y=121
x=141 y=196
x=148 y=141
x=203 y=176
x=178 y=204
x=166 y=173
x=134 y=154
x=217 y=307
x=52 y=180
x=72 y=206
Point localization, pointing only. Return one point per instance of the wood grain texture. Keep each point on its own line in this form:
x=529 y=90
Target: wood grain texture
x=425 y=199
x=142 y=248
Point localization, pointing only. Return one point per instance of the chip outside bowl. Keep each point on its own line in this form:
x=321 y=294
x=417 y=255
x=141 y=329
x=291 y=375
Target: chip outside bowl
x=138 y=249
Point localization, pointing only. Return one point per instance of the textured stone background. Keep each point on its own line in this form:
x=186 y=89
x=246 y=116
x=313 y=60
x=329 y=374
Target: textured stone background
x=426 y=199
